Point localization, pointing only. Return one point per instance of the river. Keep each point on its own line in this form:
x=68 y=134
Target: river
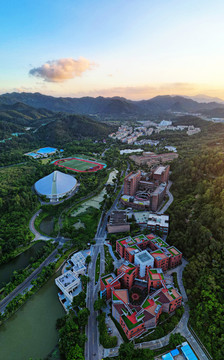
x=31 y=332
x=19 y=262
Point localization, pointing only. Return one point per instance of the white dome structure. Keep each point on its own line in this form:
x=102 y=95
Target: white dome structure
x=56 y=185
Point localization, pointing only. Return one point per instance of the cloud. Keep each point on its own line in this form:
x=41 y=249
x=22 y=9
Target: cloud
x=62 y=69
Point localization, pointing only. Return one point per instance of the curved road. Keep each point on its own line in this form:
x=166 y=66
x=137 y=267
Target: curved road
x=169 y=202
x=32 y=228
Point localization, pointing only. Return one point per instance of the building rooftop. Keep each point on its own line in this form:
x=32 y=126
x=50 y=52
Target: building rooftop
x=156 y=274
x=174 y=251
x=159 y=189
x=158 y=255
x=162 y=220
x=160 y=170
x=107 y=279
x=118 y=217
x=67 y=279
x=159 y=242
x=121 y=295
x=143 y=256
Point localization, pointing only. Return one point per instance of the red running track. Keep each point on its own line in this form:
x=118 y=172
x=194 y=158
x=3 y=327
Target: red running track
x=96 y=168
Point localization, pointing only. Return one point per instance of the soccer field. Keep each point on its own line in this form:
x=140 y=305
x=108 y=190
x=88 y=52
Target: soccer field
x=77 y=164
x=80 y=165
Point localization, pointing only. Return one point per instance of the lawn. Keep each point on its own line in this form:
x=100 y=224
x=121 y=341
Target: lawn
x=77 y=164
x=97 y=270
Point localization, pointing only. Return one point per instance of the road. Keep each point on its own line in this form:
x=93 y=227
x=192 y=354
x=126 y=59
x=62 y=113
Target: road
x=38 y=236
x=93 y=350
x=169 y=202
x=27 y=283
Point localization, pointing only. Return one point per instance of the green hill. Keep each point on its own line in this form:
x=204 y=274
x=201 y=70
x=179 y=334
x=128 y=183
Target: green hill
x=68 y=128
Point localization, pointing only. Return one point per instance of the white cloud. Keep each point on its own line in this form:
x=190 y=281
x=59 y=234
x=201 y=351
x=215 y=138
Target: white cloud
x=62 y=69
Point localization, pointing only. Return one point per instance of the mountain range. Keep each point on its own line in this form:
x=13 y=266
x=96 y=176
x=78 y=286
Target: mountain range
x=113 y=107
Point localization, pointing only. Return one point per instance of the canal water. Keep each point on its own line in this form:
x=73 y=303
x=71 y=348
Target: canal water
x=47 y=225
x=31 y=332
x=19 y=262
x=96 y=200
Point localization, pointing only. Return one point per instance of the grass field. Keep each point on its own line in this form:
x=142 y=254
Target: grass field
x=79 y=165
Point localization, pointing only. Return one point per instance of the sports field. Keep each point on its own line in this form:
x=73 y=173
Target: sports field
x=80 y=165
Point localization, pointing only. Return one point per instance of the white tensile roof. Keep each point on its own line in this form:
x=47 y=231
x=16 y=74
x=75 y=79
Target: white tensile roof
x=55 y=184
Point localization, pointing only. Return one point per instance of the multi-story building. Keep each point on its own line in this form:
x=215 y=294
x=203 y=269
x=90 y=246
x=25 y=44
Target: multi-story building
x=130 y=272
x=161 y=259
x=175 y=258
x=131 y=183
x=161 y=173
x=108 y=283
x=157 y=196
x=118 y=222
x=158 y=222
x=145 y=191
x=67 y=283
x=144 y=260
x=136 y=319
x=128 y=247
x=155 y=279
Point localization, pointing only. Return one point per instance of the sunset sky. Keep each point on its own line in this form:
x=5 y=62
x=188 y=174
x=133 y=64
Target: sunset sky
x=132 y=48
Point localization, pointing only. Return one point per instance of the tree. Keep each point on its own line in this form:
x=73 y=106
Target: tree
x=83 y=316
x=176 y=339
x=126 y=351
x=88 y=259
x=75 y=353
x=99 y=304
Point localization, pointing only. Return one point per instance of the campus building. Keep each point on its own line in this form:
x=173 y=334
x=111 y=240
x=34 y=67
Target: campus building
x=118 y=222
x=129 y=273
x=78 y=260
x=161 y=173
x=147 y=257
x=131 y=183
x=135 y=320
x=145 y=191
x=155 y=279
x=67 y=283
x=144 y=260
x=158 y=222
x=55 y=186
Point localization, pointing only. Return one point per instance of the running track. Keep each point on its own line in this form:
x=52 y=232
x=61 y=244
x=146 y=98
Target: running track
x=99 y=166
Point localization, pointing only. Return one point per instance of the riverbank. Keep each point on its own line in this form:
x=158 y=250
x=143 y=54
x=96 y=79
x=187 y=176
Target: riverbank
x=36 y=321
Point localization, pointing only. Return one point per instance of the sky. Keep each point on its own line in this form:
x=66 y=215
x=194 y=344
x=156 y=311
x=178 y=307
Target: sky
x=131 y=48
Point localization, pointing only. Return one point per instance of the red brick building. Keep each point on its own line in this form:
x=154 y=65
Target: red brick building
x=175 y=258
x=161 y=173
x=161 y=260
x=131 y=183
x=130 y=272
x=109 y=283
x=155 y=279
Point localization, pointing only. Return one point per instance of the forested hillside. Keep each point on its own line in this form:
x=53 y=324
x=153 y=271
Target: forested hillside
x=67 y=128
x=17 y=204
x=197 y=228
x=109 y=106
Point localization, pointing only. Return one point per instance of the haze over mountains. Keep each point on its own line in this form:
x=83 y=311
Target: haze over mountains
x=113 y=107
